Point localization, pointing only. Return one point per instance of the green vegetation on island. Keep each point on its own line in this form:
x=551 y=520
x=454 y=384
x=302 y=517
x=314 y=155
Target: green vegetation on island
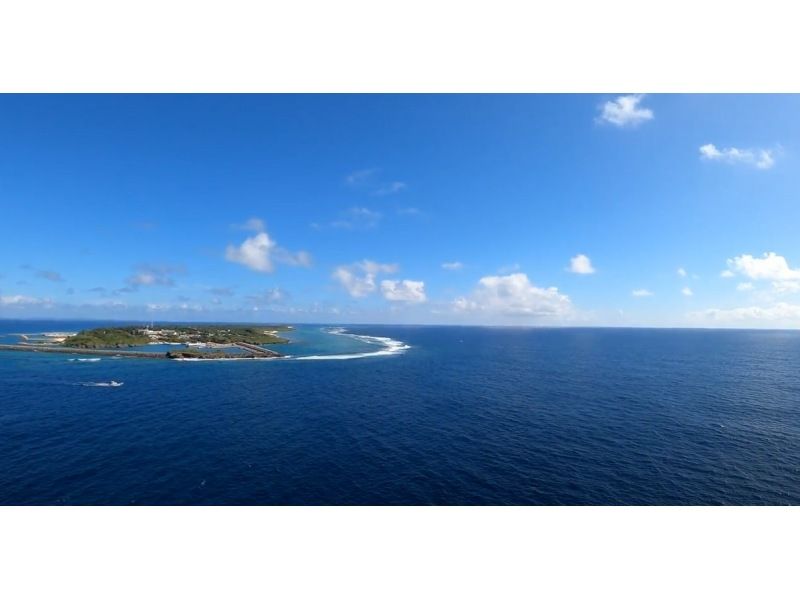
x=102 y=338
x=219 y=334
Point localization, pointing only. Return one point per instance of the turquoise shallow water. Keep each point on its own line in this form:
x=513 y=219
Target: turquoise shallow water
x=464 y=415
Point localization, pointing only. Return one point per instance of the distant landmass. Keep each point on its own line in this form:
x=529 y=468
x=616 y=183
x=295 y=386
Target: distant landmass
x=191 y=341
x=133 y=336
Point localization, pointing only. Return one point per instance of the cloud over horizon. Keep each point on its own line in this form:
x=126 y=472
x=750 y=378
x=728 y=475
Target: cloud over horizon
x=260 y=253
x=409 y=291
x=514 y=295
x=359 y=279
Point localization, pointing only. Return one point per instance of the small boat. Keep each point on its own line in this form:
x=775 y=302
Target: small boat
x=115 y=383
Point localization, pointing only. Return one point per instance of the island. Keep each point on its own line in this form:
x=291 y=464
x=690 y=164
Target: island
x=185 y=341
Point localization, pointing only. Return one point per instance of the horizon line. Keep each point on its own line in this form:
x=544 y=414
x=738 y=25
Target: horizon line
x=525 y=326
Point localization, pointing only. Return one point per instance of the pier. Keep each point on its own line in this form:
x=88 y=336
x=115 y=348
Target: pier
x=257 y=350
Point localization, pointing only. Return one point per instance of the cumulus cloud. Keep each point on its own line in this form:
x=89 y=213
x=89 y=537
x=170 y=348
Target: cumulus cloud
x=727 y=274
x=687 y=292
x=261 y=253
x=359 y=279
x=514 y=295
x=581 y=264
x=641 y=293
x=625 y=111
x=744 y=286
x=682 y=272
x=762 y=159
x=409 y=291
x=770 y=266
x=452 y=266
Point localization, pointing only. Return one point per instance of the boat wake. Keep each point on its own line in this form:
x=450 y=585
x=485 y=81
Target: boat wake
x=389 y=346
x=85 y=359
x=113 y=383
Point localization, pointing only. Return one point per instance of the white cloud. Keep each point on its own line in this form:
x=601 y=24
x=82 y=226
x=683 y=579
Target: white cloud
x=625 y=111
x=682 y=272
x=359 y=279
x=687 y=292
x=777 y=312
x=769 y=267
x=762 y=159
x=744 y=286
x=786 y=286
x=21 y=300
x=727 y=274
x=410 y=291
x=514 y=295
x=581 y=264
x=641 y=293
x=260 y=252
x=254 y=252
x=452 y=265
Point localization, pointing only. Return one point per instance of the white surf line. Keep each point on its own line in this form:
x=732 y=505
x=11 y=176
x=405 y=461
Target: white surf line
x=391 y=347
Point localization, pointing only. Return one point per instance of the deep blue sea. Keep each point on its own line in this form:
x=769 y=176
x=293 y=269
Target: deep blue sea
x=463 y=415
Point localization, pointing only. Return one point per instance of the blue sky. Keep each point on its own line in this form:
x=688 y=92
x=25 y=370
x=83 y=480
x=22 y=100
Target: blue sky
x=618 y=209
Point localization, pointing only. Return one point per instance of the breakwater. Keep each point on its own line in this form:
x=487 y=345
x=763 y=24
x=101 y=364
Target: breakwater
x=253 y=351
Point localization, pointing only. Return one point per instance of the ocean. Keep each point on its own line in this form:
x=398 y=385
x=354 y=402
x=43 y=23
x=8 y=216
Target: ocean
x=412 y=415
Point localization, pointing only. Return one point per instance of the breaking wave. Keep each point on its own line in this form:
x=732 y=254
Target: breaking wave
x=389 y=346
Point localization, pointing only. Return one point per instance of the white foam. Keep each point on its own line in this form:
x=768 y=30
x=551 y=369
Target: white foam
x=113 y=383
x=86 y=359
x=390 y=347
